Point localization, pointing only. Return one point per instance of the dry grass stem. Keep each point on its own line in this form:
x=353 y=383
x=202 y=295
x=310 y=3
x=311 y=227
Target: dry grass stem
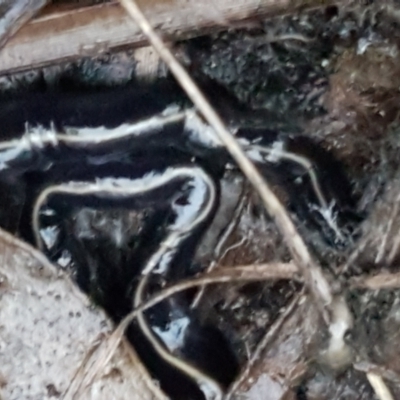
x=75 y=385
x=379 y=386
x=247 y=273
x=314 y=278
x=368 y=367
x=222 y=275
x=380 y=281
x=382 y=248
x=94 y=365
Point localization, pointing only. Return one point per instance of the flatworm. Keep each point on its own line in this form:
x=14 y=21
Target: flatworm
x=122 y=202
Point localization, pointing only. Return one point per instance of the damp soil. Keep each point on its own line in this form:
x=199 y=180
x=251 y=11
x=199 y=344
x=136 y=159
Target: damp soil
x=326 y=82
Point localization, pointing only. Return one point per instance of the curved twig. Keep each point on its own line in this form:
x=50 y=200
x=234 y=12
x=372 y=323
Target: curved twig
x=222 y=275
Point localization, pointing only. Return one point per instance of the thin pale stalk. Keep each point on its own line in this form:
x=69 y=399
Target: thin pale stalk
x=223 y=275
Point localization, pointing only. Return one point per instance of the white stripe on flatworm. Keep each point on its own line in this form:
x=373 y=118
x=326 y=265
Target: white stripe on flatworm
x=200 y=202
x=38 y=137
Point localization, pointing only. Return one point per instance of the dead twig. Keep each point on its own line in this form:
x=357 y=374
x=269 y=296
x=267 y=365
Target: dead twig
x=379 y=386
x=382 y=248
x=245 y=273
x=72 y=390
x=377 y=282
x=368 y=367
x=222 y=275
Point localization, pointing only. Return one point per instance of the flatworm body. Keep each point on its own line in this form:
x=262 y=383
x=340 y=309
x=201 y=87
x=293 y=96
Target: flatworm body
x=118 y=187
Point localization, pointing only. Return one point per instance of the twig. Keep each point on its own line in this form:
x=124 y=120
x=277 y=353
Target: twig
x=222 y=275
x=379 y=386
x=243 y=273
x=382 y=248
x=269 y=271
x=396 y=241
x=314 y=278
x=380 y=281
x=273 y=271
x=72 y=390
x=368 y=367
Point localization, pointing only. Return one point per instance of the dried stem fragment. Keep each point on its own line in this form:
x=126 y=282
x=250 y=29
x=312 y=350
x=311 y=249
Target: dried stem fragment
x=368 y=367
x=222 y=275
x=379 y=386
x=380 y=281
